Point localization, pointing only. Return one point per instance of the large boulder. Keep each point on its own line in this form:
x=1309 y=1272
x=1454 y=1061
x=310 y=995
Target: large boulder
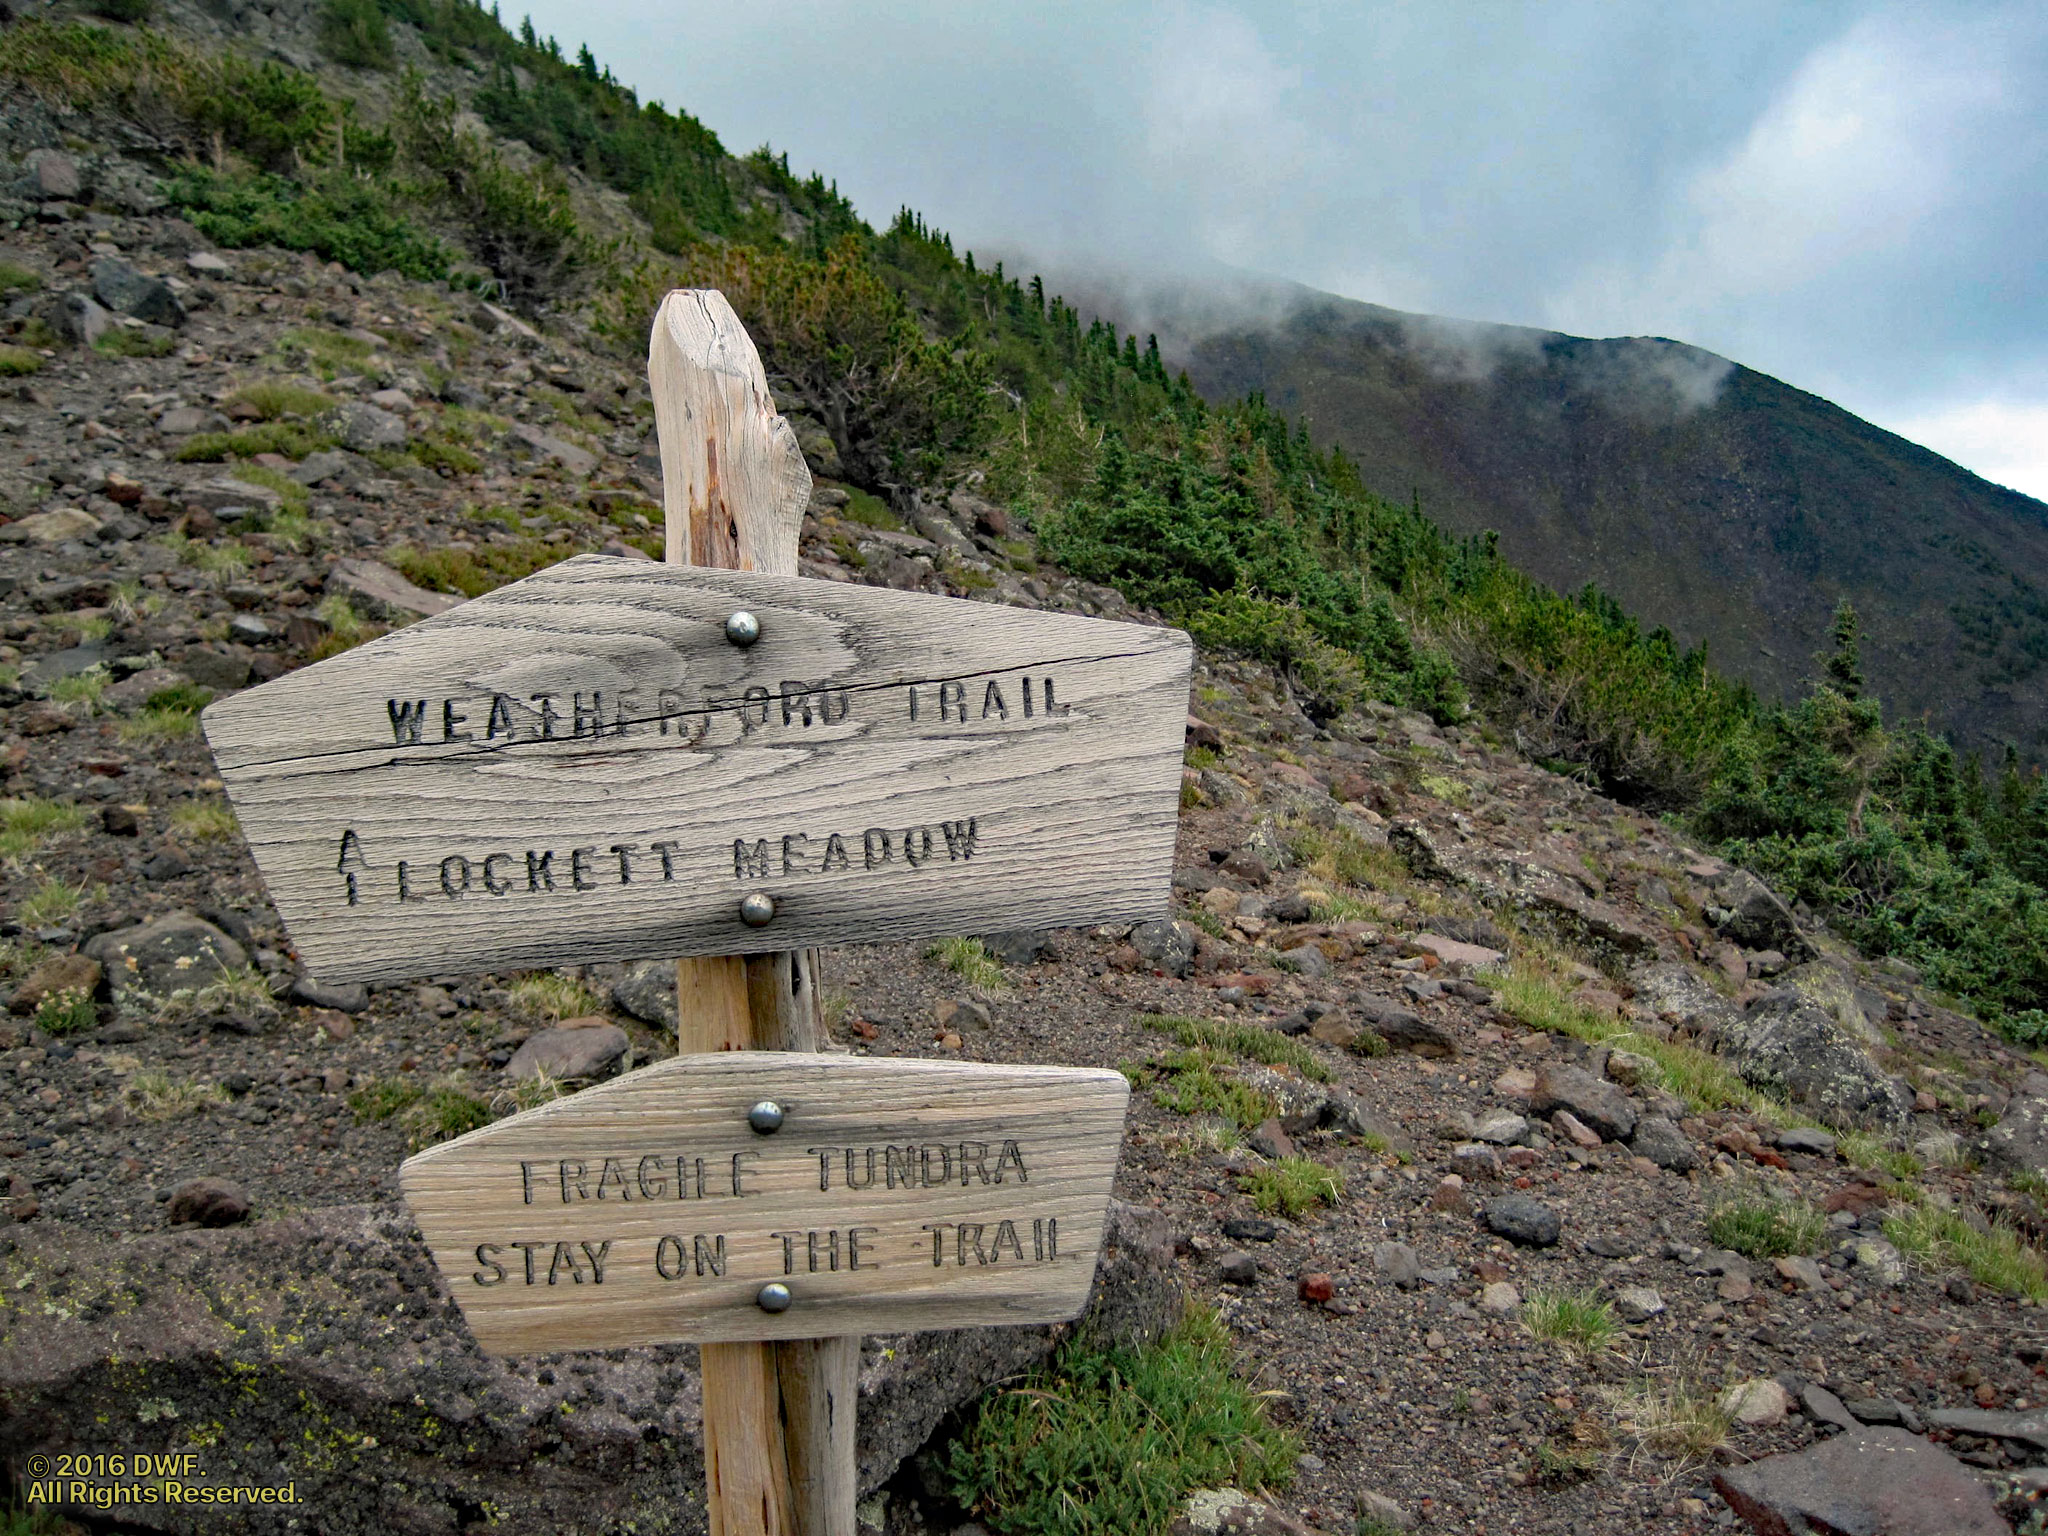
x=1524 y=880
x=1676 y=995
x=647 y=990
x=1787 y=1046
x=119 y=286
x=1883 y=1482
x=179 y=953
x=1756 y=917
x=1593 y=1101
x=320 y=1349
x=2019 y=1142
x=365 y=428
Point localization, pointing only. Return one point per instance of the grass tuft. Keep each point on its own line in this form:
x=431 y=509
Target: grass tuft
x=205 y=821
x=52 y=902
x=67 y=1012
x=29 y=821
x=970 y=960
x=1292 y=1186
x=1762 y=1227
x=1994 y=1254
x=1675 y=1418
x=1110 y=1440
x=550 y=997
x=1193 y=1082
x=153 y=1094
x=1579 y=1320
x=1249 y=1041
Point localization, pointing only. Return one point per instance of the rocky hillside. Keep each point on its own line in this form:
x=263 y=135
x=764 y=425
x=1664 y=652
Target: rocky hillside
x=1734 y=508
x=1548 y=1174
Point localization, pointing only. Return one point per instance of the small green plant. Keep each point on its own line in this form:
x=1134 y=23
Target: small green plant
x=17 y=279
x=168 y=714
x=1248 y=1041
x=204 y=821
x=354 y=32
x=1199 y=758
x=134 y=341
x=1579 y=1320
x=530 y=1092
x=1292 y=1186
x=1558 y=1463
x=443 y=1112
x=153 y=1094
x=1765 y=1227
x=380 y=1100
x=1338 y=855
x=28 y=821
x=81 y=688
x=550 y=997
x=238 y=990
x=1194 y=1082
x=970 y=960
x=68 y=1011
x=17 y=362
x=1110 y=1440
x=1992 y=1253
x=50 y=903
x=275 y=398
x=293 y=439
x=223 y=562
x=1674 y=1416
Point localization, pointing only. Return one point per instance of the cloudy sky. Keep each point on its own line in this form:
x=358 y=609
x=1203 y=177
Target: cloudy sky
x=1852 y=196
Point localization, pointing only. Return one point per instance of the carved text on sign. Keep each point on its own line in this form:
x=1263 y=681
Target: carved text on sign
x=933 y=1194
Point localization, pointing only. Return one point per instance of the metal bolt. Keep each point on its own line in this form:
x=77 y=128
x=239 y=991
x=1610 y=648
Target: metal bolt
x=742 y=629
x=757 y=910
x=773 y=1297
x=765 y=1117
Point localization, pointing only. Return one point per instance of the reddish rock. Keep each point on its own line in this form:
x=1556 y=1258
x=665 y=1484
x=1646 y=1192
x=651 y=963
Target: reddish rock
x=1877 y=1482
x=1316 y=1287
x=209 y=1202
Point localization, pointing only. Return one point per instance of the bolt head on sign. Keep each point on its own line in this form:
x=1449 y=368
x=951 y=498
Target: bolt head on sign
x=893 y=1194
x=590 y=764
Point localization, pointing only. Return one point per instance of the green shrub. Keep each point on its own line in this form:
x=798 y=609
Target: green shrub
x=134 y=341
x=1579 y=1320
x=1109 y=1441
x=473 y=572
x=67 y=1012
x=18 y=279
x=291 y=438
x=1250 y=1041
x=354 y=32
x=17 y=361
x=1293 y=1186
x=1763 y=1227
x=356 y=221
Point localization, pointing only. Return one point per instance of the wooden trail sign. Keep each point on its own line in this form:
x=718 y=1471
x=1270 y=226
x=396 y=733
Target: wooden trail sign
x=893 y=1195
x=583 y=766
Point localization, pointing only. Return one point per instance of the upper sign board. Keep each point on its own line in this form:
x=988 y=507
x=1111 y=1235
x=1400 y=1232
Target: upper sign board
x=884 y=1196
x=584 y=766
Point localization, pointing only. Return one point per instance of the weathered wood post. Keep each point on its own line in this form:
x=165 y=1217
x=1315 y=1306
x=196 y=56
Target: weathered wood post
x=778 y=1417
x=715 y=758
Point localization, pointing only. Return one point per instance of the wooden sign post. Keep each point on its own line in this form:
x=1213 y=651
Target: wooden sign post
x=716 y=759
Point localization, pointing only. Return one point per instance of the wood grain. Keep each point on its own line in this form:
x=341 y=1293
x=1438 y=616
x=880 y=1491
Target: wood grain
x=733 y=479
x=933 y=1250
x=1072 y=813
x=780 y=1458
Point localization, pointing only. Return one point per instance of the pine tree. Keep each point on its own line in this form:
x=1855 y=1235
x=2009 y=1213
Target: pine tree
x=1844 y=665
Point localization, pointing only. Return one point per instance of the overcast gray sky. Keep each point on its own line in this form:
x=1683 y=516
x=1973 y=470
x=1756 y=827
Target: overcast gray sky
x=1852 y=196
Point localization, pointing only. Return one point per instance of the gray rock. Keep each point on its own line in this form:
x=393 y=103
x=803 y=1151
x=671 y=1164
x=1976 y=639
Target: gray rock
x=1881 y=1481
x=1599 y=1105
x=1522 y=1220
x=1637 y=1303
x=365 y=429
x=1879 y=1263
x=2019 y=1142
x=249 y=629
x=592 y=1051
x=1397 y=1265
x=82 y=320
x=53 y=176
x=647 y=990
x=1502 y=1128
x=578 y=461
x=1823 y=1406
x=2027 y=1428
x=1167 y=945
x=1020 y=946
x=1237 y=1268
x=1806 y=1138
x=179 y=953
x=119 y=286
x=209 y=1202
x=223 y=671
x=318 y=468
x=1377 y=1508
x=424 y=1428
x=1758 y=918
x=1785 y=1045
x=209 y=264
x=1306 y=960
x=184 y=420
x=385 y=591
x=346 y=996
x=1404 y=1030
x=1664 y=1144
x=58 y=527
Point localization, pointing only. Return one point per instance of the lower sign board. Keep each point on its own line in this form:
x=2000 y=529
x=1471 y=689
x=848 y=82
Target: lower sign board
x=759 y=1195
x=612 y=759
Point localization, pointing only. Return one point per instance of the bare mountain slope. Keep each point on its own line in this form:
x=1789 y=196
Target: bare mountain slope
x=1707 y=497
